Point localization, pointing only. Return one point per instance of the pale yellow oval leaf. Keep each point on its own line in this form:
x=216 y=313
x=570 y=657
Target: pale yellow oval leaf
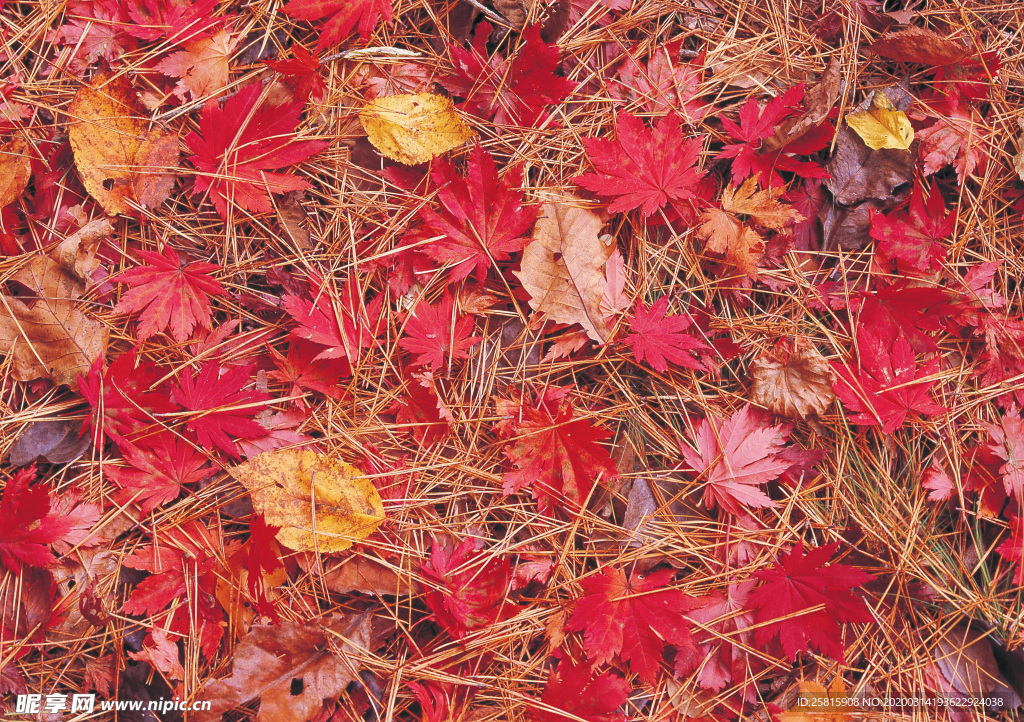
x=881 y=125
x=413 y=128
x=319 y=503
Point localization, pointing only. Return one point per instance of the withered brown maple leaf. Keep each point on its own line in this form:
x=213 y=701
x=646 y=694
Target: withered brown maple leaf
x=799 y=386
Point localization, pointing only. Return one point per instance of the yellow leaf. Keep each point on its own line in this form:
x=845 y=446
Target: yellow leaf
x=319 y=503
x=413 y=128
x=881 y=125
x=816 y=704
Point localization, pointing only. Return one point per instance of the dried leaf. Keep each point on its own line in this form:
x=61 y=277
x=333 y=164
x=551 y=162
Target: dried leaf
x=413 y=128
x=76 y=254
x=320 y=504
x=363 y=574
x=822 y=705
x=49 y=336
x=639 y=506
x=58 y=441
x=762 y=206
x=292 y=668
x=292 y=217
x=563 y=267
x=797 y=387
x=514 y=11
x=881 y=125
x=120 y=161
x=859 y=173
x=15 y=170
x=202 y=65
x=918 y=45
x=966 y=659
x=818 y=101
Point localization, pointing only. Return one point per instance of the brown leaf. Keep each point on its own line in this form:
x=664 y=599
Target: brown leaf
x=640 y=505
x=15 y=170
x=292 y=668
x=859 y=173
x=57 y=441
x=48 y=336
x=966 y=659
x=563 y=267
x=818 y=101
x=512 y=10
x=120 y=160
x=76 y=254
x=762 y=206
x=368 y=576
x=202 y=65
x=918 y=45
x=797 y=387
x=292 y=217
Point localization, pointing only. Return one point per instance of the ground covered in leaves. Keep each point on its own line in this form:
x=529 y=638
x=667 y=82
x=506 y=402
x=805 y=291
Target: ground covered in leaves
x=512 y=360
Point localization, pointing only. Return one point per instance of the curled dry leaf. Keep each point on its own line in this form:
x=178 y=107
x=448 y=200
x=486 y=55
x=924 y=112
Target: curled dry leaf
x=881 y=125
x=292 y=668
x=120 y=160
x=58 y=441
x=413 y=128
x=818 y=704
x=15 y=170
x=49 y=336
x=918 y=45
x=563 y=266
x=320 y=504
x=800 y=386
x=818 y=101
x=860 y=173
x=76 y=254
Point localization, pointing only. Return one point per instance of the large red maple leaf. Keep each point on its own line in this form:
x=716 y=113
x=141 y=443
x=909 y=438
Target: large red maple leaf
x=888 y=385
x=555 y=455
x=481 y=219
x=159 y=466
x=914 y=239
x=345 y=326
x=303 y=72
x=634 y=619
x=176 y=21
x=343 y=16
x=507 y=92
x=221 y=405
x=467 y=587
x=169 y=292
x=437 y=334
x=660 y=339
x=798 y=584
x=580 y=694
x=641 y=168
x=125 y=396
x=913 y=311
x=303 y=371
x=238 y=146
x=734 y=457
x=27 y=527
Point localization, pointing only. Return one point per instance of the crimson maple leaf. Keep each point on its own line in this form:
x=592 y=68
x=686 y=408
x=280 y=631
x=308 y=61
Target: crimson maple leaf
x=169 y=291
x=958 y=137
x=659 y=339
x=302 y=370
x=507 y=92
x=1008 y=445
x=721 y=642
x=437 y=334
x=466 y=587
x=343 y=16
x=481 y=220
x=175 y=21
x=237 y=147
x=26 y=525
x=634 y=619
x=756 y=126
x=159 y=466
x=914 y=239
x=798 y=584
x=888 y=385
x=222 y=404
x=124 y=396
x=420 y=410
x=303 y=70
x=734 y=457
x=662 y=84
x=642 y=168
x=262 y=556
x=94 y=29
x=580 y=694
x=360 y=321
x=554 y=454
x=912 y=311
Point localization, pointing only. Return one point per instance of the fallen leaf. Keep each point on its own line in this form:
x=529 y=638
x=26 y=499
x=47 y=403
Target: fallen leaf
x=163 y=655
x=292 y=668
x=966 y=659
x=880 y=125
x=15 y=170
x=563 y=267
x=120 y=160
x=202 y=65
x=49 y=336
x=800 y=386
x=640 y=505
x=413 y=128
x=818 y=102
x=363 y=574
x=292 y=218
x=859 y=173
x=76 y=254
x=818 y=704
x=320 y=504
x=54 y=440
x=919 y=45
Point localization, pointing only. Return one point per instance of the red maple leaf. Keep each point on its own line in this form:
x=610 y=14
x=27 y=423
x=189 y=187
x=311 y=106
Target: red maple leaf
x=467 y=587
x=125 y=396
x=159 y=466
x=302 y=371
x=581 y=694
x=303 y=72
x=1013 y=548
x=721 y=642
x=914 y=239
x=659 y=339
x=94 y=29
x=360 y=321
x=262 y=557
x=176 y=21
x=758 y=125
x=662 y=84
x=958 y=137
x=888 y=385
x=642 y=168
x=734 y=457
x=221 y=404
x=555 y=455
x=912 y=311
x=26 y=525
x=422 y=412
x=798 y=584
x=237 y=147
x=169 y=291
x=1008 y=445
x=634 y=619
x=343 y=16
x=437 y=334
x=481 y=219
x=507 y=92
